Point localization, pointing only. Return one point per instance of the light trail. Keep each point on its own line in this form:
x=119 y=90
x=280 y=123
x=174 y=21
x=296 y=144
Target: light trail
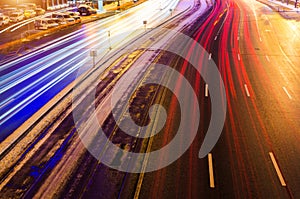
x=42 y=72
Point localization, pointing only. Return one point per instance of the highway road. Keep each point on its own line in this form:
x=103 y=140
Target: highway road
x=257 y=52
x=257 y=154
x=29 y=82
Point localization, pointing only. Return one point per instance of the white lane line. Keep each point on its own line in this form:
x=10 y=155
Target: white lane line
x=247 y=91
x=238 y=38
x=267 y=57
x=206 y=90
x=260 y=39
x=279 y=174
x=216 y=37
x=211 y=171
x=239 y=57
x=286 y=91
x=209 y=57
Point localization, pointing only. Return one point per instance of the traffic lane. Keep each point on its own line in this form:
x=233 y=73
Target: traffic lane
x=14 y=117
x=248 y=145
x=30 y=95
x=275 y=78
x=248 y=171
x=248 y=149
x=90 y=42
x=246 y=176
x=187 y=176
x=280 y=115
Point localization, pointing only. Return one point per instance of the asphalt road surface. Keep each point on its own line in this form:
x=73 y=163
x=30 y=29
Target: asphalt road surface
x=257 y=52
x=30 y=81
x=257 y=154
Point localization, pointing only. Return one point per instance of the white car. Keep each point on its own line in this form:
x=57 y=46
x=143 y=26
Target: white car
x=4 y=20
x=64 y=18
x=45 y=23
x=75 y=16
x=8 y=11
x=16 y=17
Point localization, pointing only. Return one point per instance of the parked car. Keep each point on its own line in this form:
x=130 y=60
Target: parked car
x=75 y=16
x=9 y=10
x=86 y=10
x=29 y=13
x=16 y=17
x=40 y=11
x=64 y=18
x=4 y=20
x=45 y=23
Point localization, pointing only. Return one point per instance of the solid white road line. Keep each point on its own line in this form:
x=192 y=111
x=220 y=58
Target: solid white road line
x=285 y=90
x=206 y=90
x=267 y=57
x=247 y=91
x=239 y=57
x=209 y=57
x=238 y=38
x=211 y=171
x=279 y=174
x=216 y=37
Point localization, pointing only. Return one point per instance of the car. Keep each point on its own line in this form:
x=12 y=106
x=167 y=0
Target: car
x=40 y=11
x=16 y=17
x=4 y=20
x=29 y=14
x=75 y=16
x=45 y=23
x=9 y=10
x=86 y=10
x=52 y=23
x=64 y=18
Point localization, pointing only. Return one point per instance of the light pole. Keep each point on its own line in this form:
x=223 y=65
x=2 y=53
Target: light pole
x=109 y=40
x=93 y=54
x=145 y=24
x=100 y=5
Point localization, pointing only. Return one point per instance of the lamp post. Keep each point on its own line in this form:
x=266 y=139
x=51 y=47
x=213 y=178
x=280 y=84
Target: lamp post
x=109 y=40
x=145 y=24
x=93 y=54
x=100 y=5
